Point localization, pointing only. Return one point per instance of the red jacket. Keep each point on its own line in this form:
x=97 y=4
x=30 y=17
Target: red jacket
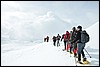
x=68 y=35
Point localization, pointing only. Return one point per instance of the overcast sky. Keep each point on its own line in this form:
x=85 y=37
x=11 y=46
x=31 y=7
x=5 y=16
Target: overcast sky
x=35 y=13
x=82 y=12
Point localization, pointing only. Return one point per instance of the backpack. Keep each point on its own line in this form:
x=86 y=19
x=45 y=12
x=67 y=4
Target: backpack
x=62 y=37
x=58 y=37
x=54 y=38
x=65 y=38
x=84 y=37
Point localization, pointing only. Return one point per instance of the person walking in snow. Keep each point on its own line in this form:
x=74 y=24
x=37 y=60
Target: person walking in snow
x=71 y=45
x=74 y=32
x=64 y=37
x=47 y=38
x=64 y=40
x=58 y=39
x=54 y=40
x=80 y=45
x=68 y=39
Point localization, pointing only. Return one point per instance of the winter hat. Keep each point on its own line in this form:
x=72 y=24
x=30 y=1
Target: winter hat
x=73 y=28
x=79 y=27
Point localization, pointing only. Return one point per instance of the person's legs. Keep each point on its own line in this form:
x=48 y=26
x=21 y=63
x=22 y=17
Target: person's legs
x=83 y=55
x=79 y=46
x=71 y=46
x=65 y=45
x=54 y=42
x=57 y=42
x=75 y=49
x=68 y=46
x=79 y=57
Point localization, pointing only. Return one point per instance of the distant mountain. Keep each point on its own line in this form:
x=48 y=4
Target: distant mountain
x=41 y=26
x=55 y=25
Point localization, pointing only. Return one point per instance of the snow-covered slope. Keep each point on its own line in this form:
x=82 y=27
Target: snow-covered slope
x=41 y=54
x=93 y=45
x=94 y=35
x=45 y=54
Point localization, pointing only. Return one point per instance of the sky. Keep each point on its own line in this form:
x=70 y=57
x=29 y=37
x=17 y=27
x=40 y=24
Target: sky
x=39 y=17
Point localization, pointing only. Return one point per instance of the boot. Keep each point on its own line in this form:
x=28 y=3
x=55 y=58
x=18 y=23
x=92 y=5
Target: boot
x=79 y=62
x=84 y=59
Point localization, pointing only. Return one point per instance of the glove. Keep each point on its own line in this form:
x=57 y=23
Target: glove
x=61 y=39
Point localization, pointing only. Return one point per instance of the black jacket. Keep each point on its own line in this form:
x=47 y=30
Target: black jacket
x=78 y=37
x=54 y=38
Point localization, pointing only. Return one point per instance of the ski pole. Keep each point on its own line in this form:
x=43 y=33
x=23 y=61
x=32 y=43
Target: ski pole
x=70 y=53
x=75 y=61
x=88 y=53
x=70 y=50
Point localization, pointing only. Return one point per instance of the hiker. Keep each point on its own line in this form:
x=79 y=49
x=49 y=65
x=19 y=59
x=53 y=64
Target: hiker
x=58 y=38
x=80 y=45
x=47 y=38
x=44 y=39
x=71 y=45
x=68 y=38
x=54 y=40
x=64 y=40
x=74 y=32
x=64 y=37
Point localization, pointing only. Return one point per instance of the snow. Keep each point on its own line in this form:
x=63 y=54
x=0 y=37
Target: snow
x=94 y=35
x=44 y=54
x=40 y=53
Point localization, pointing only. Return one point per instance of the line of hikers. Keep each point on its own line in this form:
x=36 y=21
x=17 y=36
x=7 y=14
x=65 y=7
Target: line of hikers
x=56 y=39
x=75 y=41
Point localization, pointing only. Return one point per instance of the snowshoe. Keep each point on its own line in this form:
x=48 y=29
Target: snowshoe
x=67 y=50
x=75 y=55
x=63 y=49
x=71 y=52
x=79 y=62
x=83 y=63
x=86 y=62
